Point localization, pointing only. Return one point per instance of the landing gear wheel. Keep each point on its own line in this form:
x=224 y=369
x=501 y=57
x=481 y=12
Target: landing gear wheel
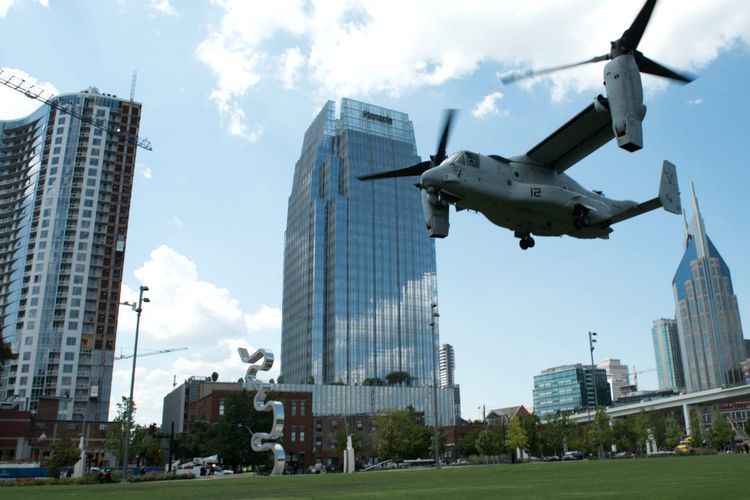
x=526 y=242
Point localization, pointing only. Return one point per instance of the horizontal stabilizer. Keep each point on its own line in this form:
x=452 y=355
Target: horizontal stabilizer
x=669 y=197
x=639 y=209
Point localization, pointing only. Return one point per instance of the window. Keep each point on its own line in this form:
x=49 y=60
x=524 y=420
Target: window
x=302 y=434
x=359 y=423
x=27 y=357
x=69 y=357
x=70 y=341
x=319 y=426
x=302 y=409
x=221 y=407
x=294 y=407
x=293 y=434
x=69 y=369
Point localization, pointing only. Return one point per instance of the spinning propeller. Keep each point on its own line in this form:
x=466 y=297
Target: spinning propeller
x=423 y=166
x=625 y=45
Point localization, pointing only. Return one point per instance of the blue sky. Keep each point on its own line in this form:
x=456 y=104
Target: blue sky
x=229 y=88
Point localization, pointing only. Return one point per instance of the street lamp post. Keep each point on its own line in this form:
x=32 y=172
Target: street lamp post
x=435 y=315
x=592 y=340
x=138 y=309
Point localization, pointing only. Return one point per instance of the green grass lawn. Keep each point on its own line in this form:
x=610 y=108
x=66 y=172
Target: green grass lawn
x=718 y=476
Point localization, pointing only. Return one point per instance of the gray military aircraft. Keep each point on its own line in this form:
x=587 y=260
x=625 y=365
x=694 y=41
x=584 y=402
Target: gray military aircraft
x=531 y=194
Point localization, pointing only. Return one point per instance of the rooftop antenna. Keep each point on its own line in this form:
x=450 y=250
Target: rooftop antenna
x=132 y=86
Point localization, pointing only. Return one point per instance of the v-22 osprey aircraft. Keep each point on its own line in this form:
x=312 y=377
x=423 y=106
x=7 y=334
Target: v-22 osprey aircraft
x=531 y=194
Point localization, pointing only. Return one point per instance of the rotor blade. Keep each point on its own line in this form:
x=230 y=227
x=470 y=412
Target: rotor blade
x=520 y=75
x=447 y=119
x=632 y=36
x=417 y=169
x=651 y=67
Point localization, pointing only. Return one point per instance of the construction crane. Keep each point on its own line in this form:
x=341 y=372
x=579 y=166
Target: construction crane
x=635 y=373
x=19 y=85
x=150 y=353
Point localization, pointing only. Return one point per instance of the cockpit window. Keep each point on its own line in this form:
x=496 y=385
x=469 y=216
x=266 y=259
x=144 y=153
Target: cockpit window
x=472 y=159
x=456 y=158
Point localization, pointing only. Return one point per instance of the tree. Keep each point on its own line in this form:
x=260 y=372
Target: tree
x=63 y=453
x=373 y=381
x=624 y=435
x=232 y=434
x=600 y=432
x=399 y=378
x=642 y=426
x=214 y=377
x=486 y=443
x=115 y=441
x=401 y=435
x=672 y=433
x=466 y=445
x=557 y=433
x=530 y=424
x=722 y=435
x=696 y=429
x=516 y=436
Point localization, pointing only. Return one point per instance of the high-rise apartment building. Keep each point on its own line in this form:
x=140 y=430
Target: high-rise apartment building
x=669 y=368
x=447 y=366
x=66 y=189
x=617 y=376
x=570 y=388
x=708 y=317
x=359 y=268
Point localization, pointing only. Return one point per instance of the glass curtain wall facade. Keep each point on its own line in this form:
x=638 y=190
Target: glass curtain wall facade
x=359 y=268
x=669 y=367
x=707 y=313
x=570 y=388
x=66 y=190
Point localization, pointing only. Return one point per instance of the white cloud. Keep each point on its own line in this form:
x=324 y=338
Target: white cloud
x=292 y=63
x=14 y=104
x=5 y=6
x=146 y=172
x=176 y=222
x=488 y=106
x=696 y=102
x=164 y=6
x=185 y=312
x=355 y=48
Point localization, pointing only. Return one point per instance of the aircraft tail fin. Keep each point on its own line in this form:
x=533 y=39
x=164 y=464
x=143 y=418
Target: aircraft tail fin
x=669 y=197
x=669 y=191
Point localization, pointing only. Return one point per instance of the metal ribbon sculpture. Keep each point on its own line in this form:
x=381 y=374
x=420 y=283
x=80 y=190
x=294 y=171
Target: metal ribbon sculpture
x=265 y=441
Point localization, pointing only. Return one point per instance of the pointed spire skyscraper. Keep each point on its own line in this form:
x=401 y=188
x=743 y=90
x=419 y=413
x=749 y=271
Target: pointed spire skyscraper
x=708 y=318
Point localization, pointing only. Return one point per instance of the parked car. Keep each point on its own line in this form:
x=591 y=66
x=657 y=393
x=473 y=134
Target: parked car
x=623 y=454
x=461 y=461
x=223 y=472
x=551 y=458
x=573 y=455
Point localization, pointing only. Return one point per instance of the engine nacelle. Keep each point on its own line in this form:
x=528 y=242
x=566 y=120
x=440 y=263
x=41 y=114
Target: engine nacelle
x=625 y=95
x=435 y=215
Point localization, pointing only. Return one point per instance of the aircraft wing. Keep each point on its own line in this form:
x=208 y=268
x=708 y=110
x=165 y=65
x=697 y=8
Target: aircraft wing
x=582 y=135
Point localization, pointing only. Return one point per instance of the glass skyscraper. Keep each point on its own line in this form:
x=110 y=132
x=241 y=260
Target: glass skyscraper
x=708 y=317
x=570 y=388
x=359 y=267
x=63 y=222
x=669 y=368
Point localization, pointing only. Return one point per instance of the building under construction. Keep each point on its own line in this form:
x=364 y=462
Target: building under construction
x=66 y=176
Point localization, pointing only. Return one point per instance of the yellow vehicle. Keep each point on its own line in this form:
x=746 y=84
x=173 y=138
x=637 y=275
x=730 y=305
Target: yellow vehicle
x=685 y=446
